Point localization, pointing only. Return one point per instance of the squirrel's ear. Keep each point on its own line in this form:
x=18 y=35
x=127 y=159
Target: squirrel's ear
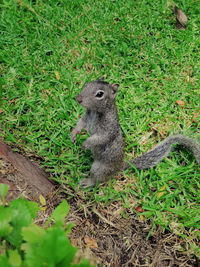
x=115 y=88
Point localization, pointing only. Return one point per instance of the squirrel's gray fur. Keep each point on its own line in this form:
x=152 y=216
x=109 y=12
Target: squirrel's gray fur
x=106 y=139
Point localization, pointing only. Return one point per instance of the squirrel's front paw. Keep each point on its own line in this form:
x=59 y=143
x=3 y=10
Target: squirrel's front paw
x=73 y=138
x=73 y=135
x=86 y=145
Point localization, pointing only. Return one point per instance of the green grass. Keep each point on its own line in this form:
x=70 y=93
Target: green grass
x=49 y=49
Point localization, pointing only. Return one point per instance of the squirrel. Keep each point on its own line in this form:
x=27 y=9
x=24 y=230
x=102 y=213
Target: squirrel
x=106 y=139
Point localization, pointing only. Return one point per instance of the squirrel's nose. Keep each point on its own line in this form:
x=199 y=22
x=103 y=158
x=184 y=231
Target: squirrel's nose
x=79 y=99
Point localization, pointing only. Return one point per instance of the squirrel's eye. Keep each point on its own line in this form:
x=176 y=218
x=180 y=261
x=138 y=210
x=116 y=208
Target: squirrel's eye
x=99 y=94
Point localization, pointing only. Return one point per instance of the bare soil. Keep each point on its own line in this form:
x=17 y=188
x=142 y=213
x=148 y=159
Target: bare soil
x=109 y=240
x=100 y=232
x=22 y=175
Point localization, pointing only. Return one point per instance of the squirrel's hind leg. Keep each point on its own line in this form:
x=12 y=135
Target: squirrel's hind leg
x=100 y=172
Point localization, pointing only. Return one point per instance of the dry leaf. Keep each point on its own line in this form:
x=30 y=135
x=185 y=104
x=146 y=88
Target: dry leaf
x=180 y=102
x=142 y=218
x=42 y=200
x=139 y=209
x=181 y=18
x=161 y=192
x=57 y=75
x=1 y=111
x=90 y=242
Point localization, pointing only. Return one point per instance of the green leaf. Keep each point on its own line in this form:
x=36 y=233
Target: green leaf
x=3 y=190
x=14 y=258
x=31 y=207
x=60 y=212
x=4 y=261
x=33 y=233
x=5 y=219
x=23 y=212
x=57 y=242
x=52 y=249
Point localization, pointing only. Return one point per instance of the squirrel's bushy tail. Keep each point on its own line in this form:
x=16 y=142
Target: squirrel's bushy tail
x=160 y=151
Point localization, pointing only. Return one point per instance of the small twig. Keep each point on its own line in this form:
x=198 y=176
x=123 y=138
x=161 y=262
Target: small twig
x=104 y=219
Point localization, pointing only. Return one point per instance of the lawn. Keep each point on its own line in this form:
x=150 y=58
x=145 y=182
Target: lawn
x=49 y=49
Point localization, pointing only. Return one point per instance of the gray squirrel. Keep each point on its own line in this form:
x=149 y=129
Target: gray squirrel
x=106 y=139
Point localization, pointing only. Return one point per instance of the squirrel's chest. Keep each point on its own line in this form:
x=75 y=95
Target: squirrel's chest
x=93 y=123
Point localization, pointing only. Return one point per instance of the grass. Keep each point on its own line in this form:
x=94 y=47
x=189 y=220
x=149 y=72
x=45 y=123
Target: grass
x=49 y=49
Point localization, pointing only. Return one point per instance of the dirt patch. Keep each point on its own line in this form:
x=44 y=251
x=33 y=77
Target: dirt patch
x=109 y=240
x=22 y=175
x=100 y=232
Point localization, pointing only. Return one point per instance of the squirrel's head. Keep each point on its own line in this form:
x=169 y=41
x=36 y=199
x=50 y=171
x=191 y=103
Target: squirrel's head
x=98 y=95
